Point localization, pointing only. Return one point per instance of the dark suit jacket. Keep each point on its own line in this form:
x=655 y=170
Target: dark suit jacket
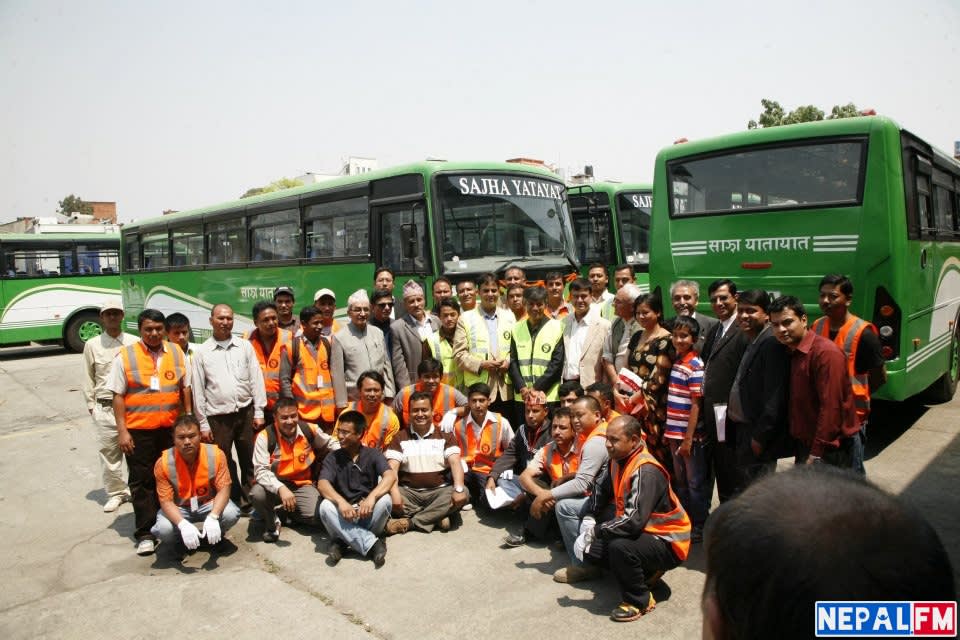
x=721 y=357
x=408 y=349
x=707 y=325
x=764 y=386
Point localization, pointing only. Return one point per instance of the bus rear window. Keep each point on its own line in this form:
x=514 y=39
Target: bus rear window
x=800 y=176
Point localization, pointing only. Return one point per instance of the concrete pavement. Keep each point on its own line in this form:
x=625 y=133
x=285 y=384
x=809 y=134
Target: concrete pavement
x=69 y=570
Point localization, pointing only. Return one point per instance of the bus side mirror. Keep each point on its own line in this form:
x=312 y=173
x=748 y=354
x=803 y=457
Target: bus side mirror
x=409 y=241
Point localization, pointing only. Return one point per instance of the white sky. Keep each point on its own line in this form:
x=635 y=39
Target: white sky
x=174 y=105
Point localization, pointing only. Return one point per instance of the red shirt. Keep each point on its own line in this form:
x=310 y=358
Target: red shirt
x=821 y=399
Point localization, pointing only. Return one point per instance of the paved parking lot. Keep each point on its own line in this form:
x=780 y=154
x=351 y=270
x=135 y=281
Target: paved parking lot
x=69 y=570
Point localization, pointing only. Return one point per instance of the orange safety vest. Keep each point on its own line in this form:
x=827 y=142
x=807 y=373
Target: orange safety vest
x=444 y=399
x=560 y=313
x=848 y=339
x=312 y=386
x=270 y=363
x=556 y=464
x=599 y=431
x=200 y=484
x=481 y=455
x=147 y=408
x=378 y=434
x=292 y=461
x=674 y=525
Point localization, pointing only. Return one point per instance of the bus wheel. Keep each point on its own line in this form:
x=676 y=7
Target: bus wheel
x=82 y=327
x=946 y=385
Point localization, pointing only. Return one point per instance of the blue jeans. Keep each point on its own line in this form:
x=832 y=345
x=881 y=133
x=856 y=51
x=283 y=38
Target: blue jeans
x=691 y=481
x=362 y=534
x=858 y=442
x=168 y=533
x=511 y=487
x=570 y=511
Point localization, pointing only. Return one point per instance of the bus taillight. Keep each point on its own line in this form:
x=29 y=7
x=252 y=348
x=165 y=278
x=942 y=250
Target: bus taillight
x=886 y=317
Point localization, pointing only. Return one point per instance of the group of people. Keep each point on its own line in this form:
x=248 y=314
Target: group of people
x=397 y=420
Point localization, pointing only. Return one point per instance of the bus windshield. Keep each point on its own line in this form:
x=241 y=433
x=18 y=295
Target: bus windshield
x=635 y=227
x=491 y=221
x=803 y=174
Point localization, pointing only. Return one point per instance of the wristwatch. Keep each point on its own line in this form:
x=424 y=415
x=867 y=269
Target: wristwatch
x=458 y=489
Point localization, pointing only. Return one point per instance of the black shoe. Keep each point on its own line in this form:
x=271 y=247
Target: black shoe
x=335 y=554
x=513 y=540
x=379 y=553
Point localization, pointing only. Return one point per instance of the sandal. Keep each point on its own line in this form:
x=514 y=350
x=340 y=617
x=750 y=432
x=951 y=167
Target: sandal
x=627 y=612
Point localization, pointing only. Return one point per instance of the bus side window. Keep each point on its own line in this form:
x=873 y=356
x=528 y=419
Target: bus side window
x=338 y=229
x=943 y=210
x=928 y=224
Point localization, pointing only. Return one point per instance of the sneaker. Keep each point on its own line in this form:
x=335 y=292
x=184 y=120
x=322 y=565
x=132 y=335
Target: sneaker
x=444 y=524
x=514 y=540
x=398 y=526
x=627 y=612
x=115 y=501
x=336 y=552
x=272 y=535
x=147 y=546
x=467 y=507
x=379 y=553
x=573 y=574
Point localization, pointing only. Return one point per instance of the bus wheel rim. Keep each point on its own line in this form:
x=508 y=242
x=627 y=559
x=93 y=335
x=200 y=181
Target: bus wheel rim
x=89 y=330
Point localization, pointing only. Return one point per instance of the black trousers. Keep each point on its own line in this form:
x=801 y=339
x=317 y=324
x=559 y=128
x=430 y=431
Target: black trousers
x=633 y=561
x=725 y=470
x=148 y=445
x=236 y=430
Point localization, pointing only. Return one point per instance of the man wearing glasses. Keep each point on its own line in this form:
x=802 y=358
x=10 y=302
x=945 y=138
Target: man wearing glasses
x=381 y=314
x=358 y=347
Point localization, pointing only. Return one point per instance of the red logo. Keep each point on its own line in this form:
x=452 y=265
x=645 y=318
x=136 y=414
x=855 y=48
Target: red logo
x=324 y=365
x=201 y=491
x=169 y=375
x=272 y=363
x=302 y=457
x=437 y=418
x=485 y=449
x=935 y=618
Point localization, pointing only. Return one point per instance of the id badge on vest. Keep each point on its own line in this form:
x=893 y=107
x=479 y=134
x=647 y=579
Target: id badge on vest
x=154 y=383
x=194 y=504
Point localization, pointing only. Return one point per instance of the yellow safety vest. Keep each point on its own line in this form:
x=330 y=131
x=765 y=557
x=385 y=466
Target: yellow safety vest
x=534 y=356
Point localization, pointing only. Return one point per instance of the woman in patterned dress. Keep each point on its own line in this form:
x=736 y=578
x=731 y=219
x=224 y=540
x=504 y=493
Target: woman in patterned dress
x=650 y=355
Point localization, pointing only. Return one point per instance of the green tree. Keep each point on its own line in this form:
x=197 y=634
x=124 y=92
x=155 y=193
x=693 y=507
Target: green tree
x=276 y=185
x=773 y=114
x=74 y=204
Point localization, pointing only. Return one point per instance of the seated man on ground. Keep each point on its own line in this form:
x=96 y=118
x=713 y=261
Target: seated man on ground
x=530 y=437
x=285 y=457
x=482 y=436
x=554 y=464
x=193 y=485
x=636 y=525
x=425 y=460
x=355 y=483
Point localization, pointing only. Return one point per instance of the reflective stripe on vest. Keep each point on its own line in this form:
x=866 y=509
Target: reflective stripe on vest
x=312 y=386
x=292 y=461
x=848 y=339
x=479 y=456
x=557 y=465
x=478 y=341
x=674 y=525
x=533 y=356
x=378 y=426
x=147 y=408
x=270 y=363
x=206 y=474
x=442 y=350
x=444 y=399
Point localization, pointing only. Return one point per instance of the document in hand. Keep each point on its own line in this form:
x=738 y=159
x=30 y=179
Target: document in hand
x=498 y=498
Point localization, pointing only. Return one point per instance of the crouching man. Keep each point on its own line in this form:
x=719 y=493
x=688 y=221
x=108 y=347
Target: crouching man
x=355 y=482
x=193 y=485
x=638 y=527
x=422 y=457
x=285 y=456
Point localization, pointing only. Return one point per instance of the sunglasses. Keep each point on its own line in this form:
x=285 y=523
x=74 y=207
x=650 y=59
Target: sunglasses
x=384 y=305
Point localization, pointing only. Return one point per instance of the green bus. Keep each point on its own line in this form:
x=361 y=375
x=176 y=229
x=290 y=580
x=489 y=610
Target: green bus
x=420 y=220
x=778 y=208
x=53 y=284
x=611 y=223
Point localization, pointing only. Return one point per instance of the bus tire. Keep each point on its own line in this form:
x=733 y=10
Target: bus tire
x=945 y=386
x=82 y=327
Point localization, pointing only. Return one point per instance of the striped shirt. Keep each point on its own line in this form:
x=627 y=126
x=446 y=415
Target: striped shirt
x=686 y=387
x=423 y=459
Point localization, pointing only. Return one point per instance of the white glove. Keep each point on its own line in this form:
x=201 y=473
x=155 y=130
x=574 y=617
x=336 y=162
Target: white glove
x=582 y=544
x=507 y=475
x=190 y=534
x=449 y=419
x=211 y=530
